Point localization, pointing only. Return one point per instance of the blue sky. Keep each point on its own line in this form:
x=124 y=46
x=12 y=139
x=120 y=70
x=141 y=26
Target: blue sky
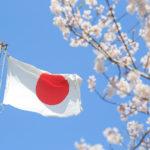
x=27 y=26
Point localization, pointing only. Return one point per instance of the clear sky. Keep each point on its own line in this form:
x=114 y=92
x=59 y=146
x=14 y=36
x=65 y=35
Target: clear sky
x=27 y=26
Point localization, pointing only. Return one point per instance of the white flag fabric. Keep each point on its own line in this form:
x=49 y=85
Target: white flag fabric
x=31 y=89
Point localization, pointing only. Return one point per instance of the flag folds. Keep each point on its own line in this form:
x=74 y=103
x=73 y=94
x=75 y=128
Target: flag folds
x=31 y=89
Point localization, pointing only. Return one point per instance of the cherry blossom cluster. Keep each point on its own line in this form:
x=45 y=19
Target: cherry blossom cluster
x=142 y=7
x=84 y=146
x=91 y=82
x=90 y=23
x=135 y=131
x=113 y=136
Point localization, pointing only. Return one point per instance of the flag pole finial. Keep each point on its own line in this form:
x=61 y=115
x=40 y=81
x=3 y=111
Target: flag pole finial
x=2 y=45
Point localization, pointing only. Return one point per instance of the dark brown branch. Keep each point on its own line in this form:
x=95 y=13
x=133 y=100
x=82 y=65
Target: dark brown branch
x=141 y=140
x=119 y=32
x=80 y=6
x=103 y=98
x=122 y=16
x=99 y=47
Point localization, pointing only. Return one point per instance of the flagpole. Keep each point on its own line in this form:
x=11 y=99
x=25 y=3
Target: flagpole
x=2 y=70
x=5 y=46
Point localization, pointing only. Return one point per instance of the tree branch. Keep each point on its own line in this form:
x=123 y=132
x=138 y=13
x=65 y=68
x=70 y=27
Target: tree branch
x=99 y=47
x=141 y=140
x=119 y=32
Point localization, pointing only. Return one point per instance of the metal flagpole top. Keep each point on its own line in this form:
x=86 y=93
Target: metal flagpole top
x=2 y=45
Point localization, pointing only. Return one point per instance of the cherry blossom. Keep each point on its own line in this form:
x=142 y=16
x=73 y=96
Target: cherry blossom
x=92 y=83
x=113 y=136
x=135 y=129
x=84 y=146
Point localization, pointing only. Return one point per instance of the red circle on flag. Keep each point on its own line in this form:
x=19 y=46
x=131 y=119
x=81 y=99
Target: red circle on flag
x=52 y=89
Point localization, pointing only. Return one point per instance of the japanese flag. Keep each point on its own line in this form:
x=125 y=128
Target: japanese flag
x=29 y=88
